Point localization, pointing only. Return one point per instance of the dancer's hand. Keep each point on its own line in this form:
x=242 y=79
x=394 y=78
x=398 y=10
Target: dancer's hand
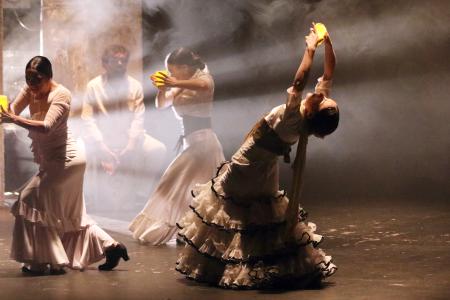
x=156 y=81
x=169 y=81
x=109 y=167
x=311 y=39
x=7 y=116
x=109 y=160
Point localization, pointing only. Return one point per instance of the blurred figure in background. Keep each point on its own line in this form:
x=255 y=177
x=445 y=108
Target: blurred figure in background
x=189 y=89
x=123 y=159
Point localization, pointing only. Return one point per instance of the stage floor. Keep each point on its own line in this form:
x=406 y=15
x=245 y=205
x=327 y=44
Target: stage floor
x=384 y=250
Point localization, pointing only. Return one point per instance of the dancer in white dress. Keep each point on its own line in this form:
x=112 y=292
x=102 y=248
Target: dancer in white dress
x=51 y=227
x=242 y=232
x=189 y=90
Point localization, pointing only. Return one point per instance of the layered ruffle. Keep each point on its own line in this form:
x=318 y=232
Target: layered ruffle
x=86 y=246
x=295 y=270
x=21 y=209
x=215 y=208
x=227 y=214
x=232 y=246
x=37 y=244
x=244 y=243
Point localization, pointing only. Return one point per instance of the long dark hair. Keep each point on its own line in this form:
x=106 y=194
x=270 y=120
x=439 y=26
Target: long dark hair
x=42 y=65
x=185 y=56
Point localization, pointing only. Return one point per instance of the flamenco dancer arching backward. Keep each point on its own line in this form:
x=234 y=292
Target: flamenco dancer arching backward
x=242 y=232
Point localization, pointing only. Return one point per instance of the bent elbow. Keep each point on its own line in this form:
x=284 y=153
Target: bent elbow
x=45 y=128
x=204 y=86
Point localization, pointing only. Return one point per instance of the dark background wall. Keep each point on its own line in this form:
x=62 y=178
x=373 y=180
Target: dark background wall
x=391 y=82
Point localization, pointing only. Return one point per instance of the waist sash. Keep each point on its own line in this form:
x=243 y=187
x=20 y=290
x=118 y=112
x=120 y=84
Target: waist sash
x=190 y=125
x=266 y=138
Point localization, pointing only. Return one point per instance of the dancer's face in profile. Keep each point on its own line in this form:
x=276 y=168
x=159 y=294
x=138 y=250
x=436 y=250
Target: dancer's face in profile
x=180 y=72
x=116 y=64
x=38 y=83
x=315 y=102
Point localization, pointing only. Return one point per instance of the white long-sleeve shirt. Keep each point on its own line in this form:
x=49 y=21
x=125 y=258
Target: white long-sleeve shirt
x=113 y=111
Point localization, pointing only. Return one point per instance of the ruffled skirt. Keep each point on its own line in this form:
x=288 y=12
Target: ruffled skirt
x=51 y=225
x=156 y=223
x=236 y=231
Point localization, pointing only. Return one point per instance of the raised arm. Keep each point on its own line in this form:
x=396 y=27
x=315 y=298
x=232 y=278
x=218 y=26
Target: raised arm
x=330 y=59
x=165 y=96
x=196 y=84
x=301 y=76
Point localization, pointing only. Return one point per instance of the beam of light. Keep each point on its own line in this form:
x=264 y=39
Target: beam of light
x=41 y=30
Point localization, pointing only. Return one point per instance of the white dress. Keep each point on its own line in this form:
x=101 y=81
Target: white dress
x=202 y=153
x=236 y=231
x=51 y=225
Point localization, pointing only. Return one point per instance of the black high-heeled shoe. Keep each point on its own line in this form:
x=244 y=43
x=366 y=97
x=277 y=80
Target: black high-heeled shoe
x=113 y=255
x=30 y=272
x=57 y=271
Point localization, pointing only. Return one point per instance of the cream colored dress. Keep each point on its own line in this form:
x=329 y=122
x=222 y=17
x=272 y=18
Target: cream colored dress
x=201 y=155
x=236 y=231
x=51 y=225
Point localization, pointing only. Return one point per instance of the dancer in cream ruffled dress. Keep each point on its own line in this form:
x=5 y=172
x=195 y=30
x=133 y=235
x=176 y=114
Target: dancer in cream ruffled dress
x=51 y=226
x=242 y=232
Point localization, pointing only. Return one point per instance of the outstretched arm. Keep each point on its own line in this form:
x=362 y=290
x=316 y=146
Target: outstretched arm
x=301 y=76
x=13 y=115
x=60 y=105
x=33 y=125
x=330 y=59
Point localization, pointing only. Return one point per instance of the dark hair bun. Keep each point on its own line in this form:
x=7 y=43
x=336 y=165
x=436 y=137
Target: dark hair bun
x=42 y=65
x=324 y=121
x=185 y=56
